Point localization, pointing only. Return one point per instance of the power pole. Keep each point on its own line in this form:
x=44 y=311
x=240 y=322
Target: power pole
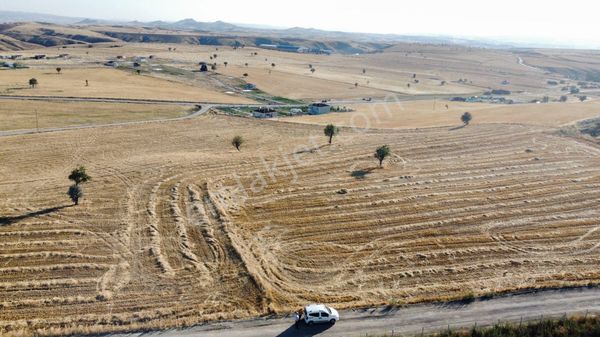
x=37 y=123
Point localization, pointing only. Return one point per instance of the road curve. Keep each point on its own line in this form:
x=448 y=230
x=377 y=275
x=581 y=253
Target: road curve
x=411 y=319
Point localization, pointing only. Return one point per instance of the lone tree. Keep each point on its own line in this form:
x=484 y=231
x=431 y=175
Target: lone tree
x=364 y=71
x=79 y=175
x=381 y=153
x=75 y=192
x=466 y=118
x=33 y=82
x=312 y=70
x=273 y=65
x=58 y=69
x=330 y=131
x=225 y=63
x=245 y=75
x=237 y=142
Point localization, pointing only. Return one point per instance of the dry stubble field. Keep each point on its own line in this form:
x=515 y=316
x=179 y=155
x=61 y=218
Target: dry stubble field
x=105 y=82
x=428 y=113
x=21 y=115
x=178 y=227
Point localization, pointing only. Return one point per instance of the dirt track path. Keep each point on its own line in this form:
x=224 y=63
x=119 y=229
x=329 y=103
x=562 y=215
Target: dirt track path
x=412 y=319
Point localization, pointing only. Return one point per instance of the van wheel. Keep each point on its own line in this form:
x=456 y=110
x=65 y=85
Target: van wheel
x=332 y=321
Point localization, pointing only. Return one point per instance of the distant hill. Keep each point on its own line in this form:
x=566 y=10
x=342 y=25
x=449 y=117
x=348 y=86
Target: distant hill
x=342 y=42
x=10 y=16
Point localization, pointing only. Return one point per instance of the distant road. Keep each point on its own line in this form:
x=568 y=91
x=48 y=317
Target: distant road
x=521 y=62
x=204 y=109
x=411 y=319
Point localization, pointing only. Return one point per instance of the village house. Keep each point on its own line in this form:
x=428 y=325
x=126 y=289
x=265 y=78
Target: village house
x=319 y=109
x=264 y=113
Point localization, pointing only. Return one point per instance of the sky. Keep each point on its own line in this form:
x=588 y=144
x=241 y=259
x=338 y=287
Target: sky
x=575 y=22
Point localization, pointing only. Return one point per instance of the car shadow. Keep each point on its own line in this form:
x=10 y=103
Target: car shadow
x=9 y=220
x=305 y=330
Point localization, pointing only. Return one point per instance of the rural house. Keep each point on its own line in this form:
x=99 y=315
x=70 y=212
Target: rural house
x=264 y=113
x=319 y=109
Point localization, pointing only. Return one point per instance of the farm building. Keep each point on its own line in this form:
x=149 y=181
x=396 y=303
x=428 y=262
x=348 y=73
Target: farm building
x=264 y=113
x=319 y=109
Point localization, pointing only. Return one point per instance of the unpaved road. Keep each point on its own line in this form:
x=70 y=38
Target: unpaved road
x=412 y=319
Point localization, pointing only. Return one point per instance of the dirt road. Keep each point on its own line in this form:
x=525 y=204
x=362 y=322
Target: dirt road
x=412 y=319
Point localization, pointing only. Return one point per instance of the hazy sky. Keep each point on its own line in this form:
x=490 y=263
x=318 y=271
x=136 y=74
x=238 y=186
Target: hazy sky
x=574 y=21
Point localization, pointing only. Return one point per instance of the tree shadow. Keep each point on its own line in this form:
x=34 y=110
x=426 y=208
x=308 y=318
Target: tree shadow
x=361 y=173
x=311 y=150
x=305 y=330
x=458 y=127
x=9 y=220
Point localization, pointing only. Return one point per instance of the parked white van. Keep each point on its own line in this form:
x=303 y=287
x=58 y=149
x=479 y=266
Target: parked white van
x=320 y=313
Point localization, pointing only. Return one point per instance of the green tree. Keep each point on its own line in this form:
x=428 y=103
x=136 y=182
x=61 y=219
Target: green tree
x=58 y=69
x=237 y=142
x=33 y=82
x=75 y=192
x=381 y=153
x=330 y=131
x=466 y=118
x=79 y=175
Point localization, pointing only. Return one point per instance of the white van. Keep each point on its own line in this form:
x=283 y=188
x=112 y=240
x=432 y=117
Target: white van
x=320 y=313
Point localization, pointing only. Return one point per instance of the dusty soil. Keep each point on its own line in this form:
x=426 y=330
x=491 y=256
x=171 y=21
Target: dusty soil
x=177 y=227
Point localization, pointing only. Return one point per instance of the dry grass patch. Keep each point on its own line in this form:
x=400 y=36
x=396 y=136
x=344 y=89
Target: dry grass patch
x=418 y=114
x=18 y=114
x=105 y=83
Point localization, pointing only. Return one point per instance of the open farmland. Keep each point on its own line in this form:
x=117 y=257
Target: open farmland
x=106 y=83
x=21 y=115
x=428 y=113
x=405 y=69
x=178 y=227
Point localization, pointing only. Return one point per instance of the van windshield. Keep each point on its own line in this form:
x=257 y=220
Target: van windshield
x=328 y=310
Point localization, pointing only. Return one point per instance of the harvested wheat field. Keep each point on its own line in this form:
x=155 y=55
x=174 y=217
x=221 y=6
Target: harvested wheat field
x=428 y=113
x=177 y=227
x=107 y=83
x=19 y=115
